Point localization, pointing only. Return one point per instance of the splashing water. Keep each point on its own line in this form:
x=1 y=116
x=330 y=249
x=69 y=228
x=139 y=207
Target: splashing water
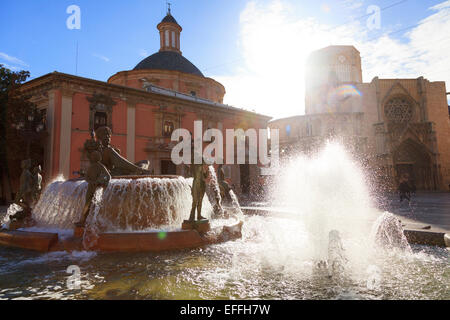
x=336 y=253
x=387 y=232
x=213 y=192
x=215 y=198
x=327 y=192
x=61 y=204
x=235 y=206
x=275 y=259
x=12 y=210
x=128 y=204
x=329 y=218
x=94 y=223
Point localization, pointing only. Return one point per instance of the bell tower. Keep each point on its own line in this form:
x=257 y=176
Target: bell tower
x=169 y=33
x=328 y=69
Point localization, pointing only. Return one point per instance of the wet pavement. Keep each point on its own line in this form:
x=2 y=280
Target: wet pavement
x=425 y=209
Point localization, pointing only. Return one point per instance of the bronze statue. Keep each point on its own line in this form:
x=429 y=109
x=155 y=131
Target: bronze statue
x=92 y=144
x=200 y=173
x=112 y=159
x=24 y=196
x=37 y=183
x=97 y=176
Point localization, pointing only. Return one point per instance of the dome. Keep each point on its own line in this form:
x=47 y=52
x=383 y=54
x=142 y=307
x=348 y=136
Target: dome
x=168 y=60
x=169 y=18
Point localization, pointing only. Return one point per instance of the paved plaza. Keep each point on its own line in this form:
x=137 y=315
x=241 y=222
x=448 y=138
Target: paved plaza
x=425 y=209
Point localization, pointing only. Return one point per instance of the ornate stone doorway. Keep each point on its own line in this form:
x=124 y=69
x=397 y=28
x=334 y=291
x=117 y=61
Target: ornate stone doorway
x=413 y=161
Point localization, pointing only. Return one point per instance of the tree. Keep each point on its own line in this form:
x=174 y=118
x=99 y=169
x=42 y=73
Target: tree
x=21 y=127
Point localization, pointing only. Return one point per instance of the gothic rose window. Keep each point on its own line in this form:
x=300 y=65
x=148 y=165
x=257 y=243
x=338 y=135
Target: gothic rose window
x=398 y=110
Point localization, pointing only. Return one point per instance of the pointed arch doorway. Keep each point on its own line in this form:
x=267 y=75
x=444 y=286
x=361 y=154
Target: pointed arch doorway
x=412 y=161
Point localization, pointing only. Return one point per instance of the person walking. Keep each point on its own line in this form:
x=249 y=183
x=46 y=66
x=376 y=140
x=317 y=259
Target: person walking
x=404 y=191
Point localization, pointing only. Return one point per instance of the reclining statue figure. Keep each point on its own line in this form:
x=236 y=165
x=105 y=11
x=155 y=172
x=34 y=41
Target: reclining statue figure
x=113 y=161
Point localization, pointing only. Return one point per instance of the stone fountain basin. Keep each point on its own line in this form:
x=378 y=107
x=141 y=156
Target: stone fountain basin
x=414 y=236
x=137 y=177
x=122 y=242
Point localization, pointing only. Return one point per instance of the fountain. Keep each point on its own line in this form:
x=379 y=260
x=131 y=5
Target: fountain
x=119 y=213
x=330 y=242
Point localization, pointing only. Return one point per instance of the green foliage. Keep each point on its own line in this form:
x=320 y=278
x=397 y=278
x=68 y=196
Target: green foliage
x=16 y=130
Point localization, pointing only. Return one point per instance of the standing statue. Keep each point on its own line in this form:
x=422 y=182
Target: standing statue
x=37 y=183
x=200 y=173
x=24 y=196
x=97 y=176
x=113 y=161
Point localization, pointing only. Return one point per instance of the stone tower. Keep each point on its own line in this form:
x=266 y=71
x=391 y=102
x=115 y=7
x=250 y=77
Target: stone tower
x=328 y=69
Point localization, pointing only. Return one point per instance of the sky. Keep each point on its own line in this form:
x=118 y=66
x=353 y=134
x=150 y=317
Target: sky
x=256 y=48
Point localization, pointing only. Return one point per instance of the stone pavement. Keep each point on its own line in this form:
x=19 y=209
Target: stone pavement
x=425 y=209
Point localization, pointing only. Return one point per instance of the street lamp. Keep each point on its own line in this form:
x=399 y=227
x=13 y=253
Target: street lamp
x=29 y=129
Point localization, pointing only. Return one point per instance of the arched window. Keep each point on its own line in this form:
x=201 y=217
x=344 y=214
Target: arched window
x=166 y=37
x=173 y=39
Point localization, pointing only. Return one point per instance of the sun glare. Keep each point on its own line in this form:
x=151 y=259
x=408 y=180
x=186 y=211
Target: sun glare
x=275 y=47
x=275 y=44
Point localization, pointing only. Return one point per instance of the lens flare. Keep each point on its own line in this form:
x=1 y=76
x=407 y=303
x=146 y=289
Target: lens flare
x=162 y=235
x=347 y=90
x=337 y=95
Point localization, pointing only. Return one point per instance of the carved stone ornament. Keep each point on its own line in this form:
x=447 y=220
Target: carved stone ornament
x=398 y=110
x=379 y=128
x=100 y=102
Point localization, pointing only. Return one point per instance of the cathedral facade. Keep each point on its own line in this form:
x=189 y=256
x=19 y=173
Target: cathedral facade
x=399 y=127
x=143 y=107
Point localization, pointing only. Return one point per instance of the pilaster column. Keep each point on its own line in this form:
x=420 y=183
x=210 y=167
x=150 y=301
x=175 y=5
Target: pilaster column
x=131 y=131
x=66 y=133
